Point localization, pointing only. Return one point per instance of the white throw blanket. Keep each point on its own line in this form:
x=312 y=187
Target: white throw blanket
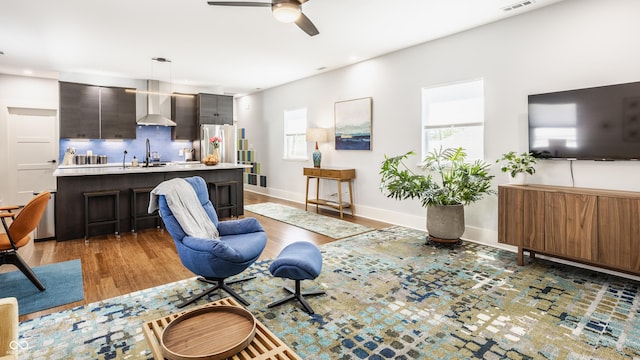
x=185 y=206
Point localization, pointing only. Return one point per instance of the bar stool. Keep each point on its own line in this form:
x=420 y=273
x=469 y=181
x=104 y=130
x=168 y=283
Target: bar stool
x=216 y=189
x=135 y=216
x=115 y=194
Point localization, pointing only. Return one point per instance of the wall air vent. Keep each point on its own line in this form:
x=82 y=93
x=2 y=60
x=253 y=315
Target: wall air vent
x=518 y=5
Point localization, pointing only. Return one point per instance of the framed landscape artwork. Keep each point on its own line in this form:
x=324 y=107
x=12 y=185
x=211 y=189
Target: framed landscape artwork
x=353 y=124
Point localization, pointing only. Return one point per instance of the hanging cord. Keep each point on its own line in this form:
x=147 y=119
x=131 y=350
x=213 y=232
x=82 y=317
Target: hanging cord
x=573 y=183
x=165 y=60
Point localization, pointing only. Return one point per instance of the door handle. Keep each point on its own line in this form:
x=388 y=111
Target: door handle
x=52 y=161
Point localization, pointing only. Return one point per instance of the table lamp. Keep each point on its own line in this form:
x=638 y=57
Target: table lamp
x=317 y=135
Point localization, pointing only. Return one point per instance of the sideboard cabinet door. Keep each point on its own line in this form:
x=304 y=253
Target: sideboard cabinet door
x=521 y=217
x=619 y=232
x=571 y=225
x=534 y=207
x=510 y=214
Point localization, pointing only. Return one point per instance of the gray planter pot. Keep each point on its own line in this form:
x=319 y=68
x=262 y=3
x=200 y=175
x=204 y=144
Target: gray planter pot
x=445 y=222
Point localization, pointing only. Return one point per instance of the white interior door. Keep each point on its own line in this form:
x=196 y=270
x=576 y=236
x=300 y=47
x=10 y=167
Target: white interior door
x=33 y=152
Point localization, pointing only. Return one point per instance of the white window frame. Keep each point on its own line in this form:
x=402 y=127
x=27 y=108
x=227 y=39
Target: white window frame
x=457 y=98
x=294 y=134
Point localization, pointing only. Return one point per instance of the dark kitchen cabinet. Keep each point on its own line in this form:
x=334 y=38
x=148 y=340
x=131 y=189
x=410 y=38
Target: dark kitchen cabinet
x=184 y=113
x=215 y=109
x=117 y=113
x=225 y=109
x=96 y=112
x=79 y=111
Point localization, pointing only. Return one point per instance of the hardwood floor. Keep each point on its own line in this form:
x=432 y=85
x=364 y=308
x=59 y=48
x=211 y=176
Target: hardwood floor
x=113 y=267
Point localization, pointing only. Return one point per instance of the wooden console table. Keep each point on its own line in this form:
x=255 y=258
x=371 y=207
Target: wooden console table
x=336 y=174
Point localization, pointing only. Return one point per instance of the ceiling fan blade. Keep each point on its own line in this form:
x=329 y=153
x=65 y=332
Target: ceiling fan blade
x=239 y=3
x=306 y=25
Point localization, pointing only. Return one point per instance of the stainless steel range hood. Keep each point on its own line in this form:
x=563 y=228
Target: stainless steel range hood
x=154 y=117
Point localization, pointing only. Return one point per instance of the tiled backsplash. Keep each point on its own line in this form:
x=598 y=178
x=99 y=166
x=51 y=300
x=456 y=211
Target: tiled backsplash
x=159 y=138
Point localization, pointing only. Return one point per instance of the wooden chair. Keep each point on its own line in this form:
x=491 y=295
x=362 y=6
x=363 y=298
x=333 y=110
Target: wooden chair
x=9 y=209
x=18 y=234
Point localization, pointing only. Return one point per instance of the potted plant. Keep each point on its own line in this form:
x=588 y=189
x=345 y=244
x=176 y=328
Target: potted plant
x=517 y=166
x=450 y=183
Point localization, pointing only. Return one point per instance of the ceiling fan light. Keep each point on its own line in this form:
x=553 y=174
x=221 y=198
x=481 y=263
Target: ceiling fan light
x=286 y=12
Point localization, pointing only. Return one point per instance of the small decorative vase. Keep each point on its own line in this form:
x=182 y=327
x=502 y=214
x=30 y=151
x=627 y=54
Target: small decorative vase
x=317 y=156
x=216 y=156
x=213 y=158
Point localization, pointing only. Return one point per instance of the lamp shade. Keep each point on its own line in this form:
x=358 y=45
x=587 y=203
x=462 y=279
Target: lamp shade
x=317 y=134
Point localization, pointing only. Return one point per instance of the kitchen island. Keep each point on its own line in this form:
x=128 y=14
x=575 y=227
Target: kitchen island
x=73 y=181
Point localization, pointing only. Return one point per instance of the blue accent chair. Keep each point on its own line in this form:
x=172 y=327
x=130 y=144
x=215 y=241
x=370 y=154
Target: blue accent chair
x=298 y=261
x=240 y=245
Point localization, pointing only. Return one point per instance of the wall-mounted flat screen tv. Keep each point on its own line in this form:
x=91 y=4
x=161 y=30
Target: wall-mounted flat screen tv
x=599 y=123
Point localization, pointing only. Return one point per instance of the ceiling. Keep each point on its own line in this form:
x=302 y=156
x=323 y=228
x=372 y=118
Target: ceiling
x=233 y=50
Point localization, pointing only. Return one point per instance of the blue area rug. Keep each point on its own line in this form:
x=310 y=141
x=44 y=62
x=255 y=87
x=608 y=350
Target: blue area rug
x=389 y=296
x=63 y=283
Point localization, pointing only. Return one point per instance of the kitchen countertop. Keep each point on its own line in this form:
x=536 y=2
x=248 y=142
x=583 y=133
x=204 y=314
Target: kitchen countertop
x=115 y=169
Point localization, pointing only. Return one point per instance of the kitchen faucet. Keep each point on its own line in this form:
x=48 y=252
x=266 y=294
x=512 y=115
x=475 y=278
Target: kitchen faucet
x=147 y=156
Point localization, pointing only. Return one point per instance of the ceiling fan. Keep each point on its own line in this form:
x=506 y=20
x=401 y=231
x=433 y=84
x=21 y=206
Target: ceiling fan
x=286 y=11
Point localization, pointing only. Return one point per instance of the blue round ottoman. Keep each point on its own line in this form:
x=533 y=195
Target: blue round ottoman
x=298 y=261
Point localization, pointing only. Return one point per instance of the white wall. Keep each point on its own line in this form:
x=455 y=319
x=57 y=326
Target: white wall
x=20 y=91
x=572 y=44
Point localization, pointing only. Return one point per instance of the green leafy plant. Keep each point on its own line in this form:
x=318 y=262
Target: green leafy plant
x=450 y=178
x=515 y=164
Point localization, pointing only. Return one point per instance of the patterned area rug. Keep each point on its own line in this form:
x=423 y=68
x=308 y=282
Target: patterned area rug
x=389 y=296
x=333 y=228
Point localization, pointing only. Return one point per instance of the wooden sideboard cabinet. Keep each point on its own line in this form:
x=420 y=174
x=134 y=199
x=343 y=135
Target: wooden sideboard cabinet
x=591 y=226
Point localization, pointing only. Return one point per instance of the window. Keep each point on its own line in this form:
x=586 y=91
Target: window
x=295 y=127
x=453 y=116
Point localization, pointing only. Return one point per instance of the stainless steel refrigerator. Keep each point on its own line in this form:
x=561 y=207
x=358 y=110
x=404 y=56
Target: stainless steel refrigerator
x=228 y=147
